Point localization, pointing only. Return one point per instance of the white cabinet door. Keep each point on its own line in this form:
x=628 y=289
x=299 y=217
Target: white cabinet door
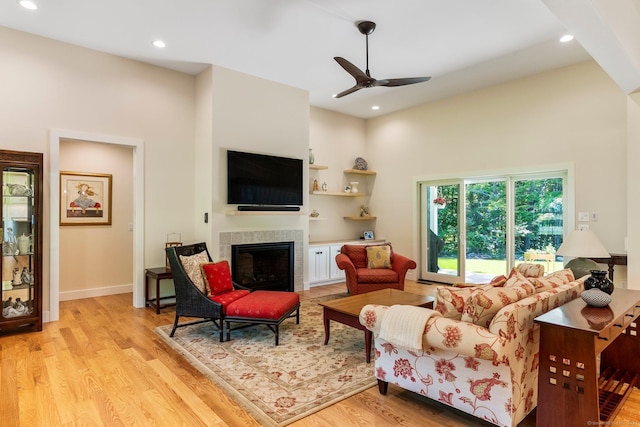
x=318 y=263
x=334 y=271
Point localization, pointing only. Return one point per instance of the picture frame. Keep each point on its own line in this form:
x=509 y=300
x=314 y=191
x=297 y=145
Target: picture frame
x=85 y=198
x=368 y=235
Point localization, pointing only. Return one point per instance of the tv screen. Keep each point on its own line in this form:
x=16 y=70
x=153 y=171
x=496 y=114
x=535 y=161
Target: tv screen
x=258 y=179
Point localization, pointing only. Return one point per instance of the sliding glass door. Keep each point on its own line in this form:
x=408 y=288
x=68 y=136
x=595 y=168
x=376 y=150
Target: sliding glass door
x=474 y=229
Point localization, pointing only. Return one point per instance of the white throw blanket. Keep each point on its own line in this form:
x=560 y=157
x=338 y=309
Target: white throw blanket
x=403 y=325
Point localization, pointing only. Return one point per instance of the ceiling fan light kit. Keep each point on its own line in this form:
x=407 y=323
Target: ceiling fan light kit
x=364 y=79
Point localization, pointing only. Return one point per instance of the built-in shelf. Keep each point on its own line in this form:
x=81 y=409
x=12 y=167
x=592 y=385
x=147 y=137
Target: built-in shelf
x=359 y=172
x=317 y=218
x=235 y=213
x=360 y=218
x=329 y=193
x=318 y=167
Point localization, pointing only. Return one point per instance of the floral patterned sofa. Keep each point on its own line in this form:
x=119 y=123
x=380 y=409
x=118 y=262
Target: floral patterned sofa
x=479 y=349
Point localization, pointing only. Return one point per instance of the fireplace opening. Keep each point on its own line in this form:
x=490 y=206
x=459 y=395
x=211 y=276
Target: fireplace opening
x=263 y=266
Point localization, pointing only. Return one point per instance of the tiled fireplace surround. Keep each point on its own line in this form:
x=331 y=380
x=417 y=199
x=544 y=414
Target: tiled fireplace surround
x=228 y=238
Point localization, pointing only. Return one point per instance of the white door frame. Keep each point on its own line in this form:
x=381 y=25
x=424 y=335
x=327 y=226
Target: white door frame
x=55 y=136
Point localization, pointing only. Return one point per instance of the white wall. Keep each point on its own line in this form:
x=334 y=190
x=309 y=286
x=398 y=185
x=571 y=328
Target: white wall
x=575 y=114
x=255 y=115
x=47 y=84
x=336 y=140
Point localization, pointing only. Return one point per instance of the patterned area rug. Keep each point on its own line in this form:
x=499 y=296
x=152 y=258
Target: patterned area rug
x=280 y=384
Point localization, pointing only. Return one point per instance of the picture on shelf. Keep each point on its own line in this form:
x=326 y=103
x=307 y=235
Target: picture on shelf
x=85 y=198
x=368 y=235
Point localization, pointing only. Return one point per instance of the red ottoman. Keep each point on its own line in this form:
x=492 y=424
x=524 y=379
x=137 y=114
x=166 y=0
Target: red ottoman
x=263 y=308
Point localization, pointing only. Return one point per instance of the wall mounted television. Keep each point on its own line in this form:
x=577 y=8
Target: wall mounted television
x=263 y=182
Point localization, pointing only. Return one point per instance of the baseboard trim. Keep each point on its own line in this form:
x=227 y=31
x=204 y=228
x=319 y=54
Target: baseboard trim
x=95 y=292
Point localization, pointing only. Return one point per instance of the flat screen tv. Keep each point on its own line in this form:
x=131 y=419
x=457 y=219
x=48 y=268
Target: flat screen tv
x=262 y=180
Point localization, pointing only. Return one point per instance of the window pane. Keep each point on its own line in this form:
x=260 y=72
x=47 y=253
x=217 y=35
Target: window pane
x=538 y=221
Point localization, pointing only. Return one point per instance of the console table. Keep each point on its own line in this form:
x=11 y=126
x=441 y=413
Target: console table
x=615 y=259
x=572 y=389
x=158 y=274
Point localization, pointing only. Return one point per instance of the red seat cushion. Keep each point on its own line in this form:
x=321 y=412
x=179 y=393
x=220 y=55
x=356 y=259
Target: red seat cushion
x=376 y=275
x=270 y=305
x=227 y=298
x=218 y=277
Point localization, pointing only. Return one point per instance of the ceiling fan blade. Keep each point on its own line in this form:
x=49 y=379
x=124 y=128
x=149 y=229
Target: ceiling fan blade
x=348 y=91
x=356 y=72
x=402 y=82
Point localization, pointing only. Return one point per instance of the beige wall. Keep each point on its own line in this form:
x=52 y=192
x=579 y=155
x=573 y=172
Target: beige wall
x=633 y=190
x=571 y=115
x=336 y=140
x=48 y=84
x=98 y=256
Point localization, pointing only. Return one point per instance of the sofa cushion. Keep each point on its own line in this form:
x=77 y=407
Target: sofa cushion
x=530 y=269
x=191 y=265
x=379 y=256
x=376 y=275
x=552 y=280
x=481 y=307
x=227 y=298
x=450 y=301
x=217 y=276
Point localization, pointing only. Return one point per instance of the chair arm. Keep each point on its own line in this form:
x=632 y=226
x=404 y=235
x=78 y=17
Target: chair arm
x=401 y=264
x=345 y=263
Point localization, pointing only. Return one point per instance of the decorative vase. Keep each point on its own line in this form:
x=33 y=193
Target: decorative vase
x=599 y=280
x=312 y=157
x=595 y=297
x=354 y=186
x=24 y=244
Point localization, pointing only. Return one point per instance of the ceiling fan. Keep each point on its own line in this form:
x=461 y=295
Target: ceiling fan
x=364 y=79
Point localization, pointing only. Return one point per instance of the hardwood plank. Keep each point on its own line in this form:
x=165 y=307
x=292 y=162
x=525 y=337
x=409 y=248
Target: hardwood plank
x=103 y=364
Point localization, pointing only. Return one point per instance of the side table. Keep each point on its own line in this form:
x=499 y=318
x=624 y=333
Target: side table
x=572 y=389
x=158 y=274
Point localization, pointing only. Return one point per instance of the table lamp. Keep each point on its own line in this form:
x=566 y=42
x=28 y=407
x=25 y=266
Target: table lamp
x=582 y=245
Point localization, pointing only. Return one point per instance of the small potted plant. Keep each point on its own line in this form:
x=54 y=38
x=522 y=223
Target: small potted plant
x=440 y=202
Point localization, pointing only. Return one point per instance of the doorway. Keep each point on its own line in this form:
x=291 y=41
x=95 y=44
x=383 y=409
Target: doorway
x=137 y=145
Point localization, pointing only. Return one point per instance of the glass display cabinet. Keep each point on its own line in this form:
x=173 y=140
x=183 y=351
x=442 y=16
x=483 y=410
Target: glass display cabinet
x=21 y=232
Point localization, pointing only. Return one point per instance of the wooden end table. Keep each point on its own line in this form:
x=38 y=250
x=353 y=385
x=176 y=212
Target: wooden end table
x=347 y=310
x=572 y=391
x=157 y=274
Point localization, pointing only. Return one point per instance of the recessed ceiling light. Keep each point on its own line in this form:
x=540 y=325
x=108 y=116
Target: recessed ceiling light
x=159 y=43
x=566 y=38
x=375 y=107
x=28 y=4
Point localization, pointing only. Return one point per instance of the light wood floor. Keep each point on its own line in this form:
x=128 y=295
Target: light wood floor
x=102 y=365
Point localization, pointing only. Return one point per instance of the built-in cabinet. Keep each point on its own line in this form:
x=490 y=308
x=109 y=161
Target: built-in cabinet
x=21 y=261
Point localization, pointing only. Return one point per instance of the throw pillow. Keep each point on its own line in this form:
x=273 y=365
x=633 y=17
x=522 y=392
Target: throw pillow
x=191 y=265
x=450 y=301
x=530 y=269
x=498 y=280
x=482 y=307
x=217 y=276
x=552 y=280
x=379 y=256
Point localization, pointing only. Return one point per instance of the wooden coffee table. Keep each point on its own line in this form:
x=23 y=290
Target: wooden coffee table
x=347 y=310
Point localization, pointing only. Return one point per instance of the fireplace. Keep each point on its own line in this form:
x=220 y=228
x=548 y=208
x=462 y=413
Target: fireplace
x=263 y=266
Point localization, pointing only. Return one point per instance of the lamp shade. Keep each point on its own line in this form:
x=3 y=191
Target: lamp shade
x=582 y=244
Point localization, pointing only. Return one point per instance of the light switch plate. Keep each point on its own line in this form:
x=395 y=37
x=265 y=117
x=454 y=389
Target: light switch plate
x=583 y=216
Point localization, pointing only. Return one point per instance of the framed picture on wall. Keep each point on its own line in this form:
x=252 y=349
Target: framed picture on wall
x=85 y=198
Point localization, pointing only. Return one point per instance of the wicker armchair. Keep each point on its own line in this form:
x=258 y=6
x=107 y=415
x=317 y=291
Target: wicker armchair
x=190 y=301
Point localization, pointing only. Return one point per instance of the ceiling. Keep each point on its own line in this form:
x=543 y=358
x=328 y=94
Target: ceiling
x=462 y=44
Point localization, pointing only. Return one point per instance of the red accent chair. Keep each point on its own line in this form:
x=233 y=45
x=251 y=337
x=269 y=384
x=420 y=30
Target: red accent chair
x=360 y=279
